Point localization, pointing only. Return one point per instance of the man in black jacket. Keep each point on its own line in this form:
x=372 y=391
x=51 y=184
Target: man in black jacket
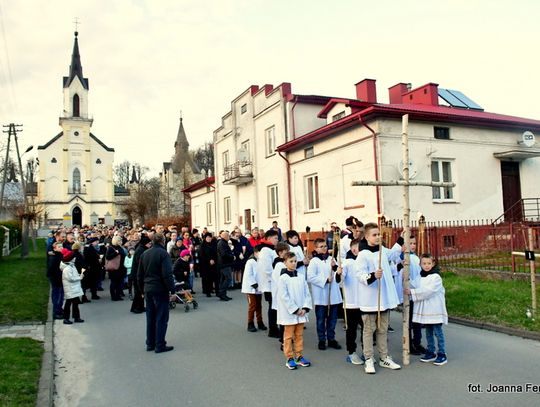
x=155 y=277
x=137 y=305
x=54 y=274
x=225 y=261
x=93 y=264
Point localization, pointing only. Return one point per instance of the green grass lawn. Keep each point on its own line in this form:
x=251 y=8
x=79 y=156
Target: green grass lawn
x=24 y=288
x=20 y=365
x=497 y=302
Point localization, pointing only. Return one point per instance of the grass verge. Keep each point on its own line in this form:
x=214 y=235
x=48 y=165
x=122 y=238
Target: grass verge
x=20 y=364
x=24 y=288
x=498 y=302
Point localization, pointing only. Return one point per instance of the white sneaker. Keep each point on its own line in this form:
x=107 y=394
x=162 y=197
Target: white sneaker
x=389 y=363
x=355 y=359
x=370 y=366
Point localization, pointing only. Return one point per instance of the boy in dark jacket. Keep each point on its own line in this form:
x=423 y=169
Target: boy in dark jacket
x=54 y=274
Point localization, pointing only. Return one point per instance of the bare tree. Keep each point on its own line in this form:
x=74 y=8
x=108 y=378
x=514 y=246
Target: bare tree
x=143 y=201
x=122 y=174
x=204 y=157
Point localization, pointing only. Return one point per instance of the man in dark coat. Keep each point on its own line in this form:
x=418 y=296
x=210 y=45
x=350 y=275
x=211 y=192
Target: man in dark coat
x=225 y=257
x=137 y=306
x=93 y=267
x=156 y=277
x=54 y=274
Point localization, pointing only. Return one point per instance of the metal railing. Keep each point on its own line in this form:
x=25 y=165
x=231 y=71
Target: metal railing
x=526 y=209
x=240 y=170
x=76 y=190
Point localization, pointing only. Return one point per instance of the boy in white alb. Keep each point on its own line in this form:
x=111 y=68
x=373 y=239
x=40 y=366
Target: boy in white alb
x=326 y=294
x=267 y=254
x=250 y=286
x=293 y=304
x=430 y=310
x=352 y=308
x=370 y=277
x=295 y=246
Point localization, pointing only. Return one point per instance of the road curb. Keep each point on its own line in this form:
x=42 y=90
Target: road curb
x=496 y=328
x=46 y=380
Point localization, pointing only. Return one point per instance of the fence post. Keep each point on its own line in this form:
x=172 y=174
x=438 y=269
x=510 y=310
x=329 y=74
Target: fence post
x=512 y=248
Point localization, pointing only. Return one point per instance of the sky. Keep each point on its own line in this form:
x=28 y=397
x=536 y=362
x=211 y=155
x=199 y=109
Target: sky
x=149 y=60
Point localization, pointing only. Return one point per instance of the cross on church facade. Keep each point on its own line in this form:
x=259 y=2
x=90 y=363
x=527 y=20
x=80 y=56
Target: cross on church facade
x=76 y=22
x=406 y=183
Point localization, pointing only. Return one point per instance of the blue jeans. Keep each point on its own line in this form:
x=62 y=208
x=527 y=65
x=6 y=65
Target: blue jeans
x=57 y=299
x=326 y=322
x=437 y=330
x=157 y=319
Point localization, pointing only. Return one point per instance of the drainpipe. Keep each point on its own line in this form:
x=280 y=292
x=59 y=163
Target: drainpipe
x=292 y=119
x=376 y=161
x=289 y=198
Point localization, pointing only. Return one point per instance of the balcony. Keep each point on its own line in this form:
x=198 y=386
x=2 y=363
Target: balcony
x=77 y=190
x=241 y=172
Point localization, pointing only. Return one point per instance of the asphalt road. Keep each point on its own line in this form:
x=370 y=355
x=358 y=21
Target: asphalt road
x=216 y=362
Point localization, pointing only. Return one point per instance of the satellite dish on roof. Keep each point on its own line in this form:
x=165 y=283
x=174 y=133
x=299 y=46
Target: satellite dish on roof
x=528 y=139
x=413 y=171
x=242 y=155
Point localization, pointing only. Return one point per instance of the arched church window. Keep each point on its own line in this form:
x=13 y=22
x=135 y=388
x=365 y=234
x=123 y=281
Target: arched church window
x=76 y=110
x=76 y=180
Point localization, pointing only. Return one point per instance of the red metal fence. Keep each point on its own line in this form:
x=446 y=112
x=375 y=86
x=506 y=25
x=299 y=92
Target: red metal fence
x=477 y=244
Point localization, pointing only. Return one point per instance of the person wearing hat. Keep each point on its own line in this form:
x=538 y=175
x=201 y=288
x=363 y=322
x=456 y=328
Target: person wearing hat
x=71 y=280
x=208 y=256
x=93 y=267
x=181 y=269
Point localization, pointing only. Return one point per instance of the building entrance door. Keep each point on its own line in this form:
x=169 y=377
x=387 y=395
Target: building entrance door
x=247 y=217
x=76 y=216
x=511 y=189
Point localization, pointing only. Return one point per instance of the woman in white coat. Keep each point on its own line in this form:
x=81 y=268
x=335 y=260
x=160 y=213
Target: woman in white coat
x=71 y=280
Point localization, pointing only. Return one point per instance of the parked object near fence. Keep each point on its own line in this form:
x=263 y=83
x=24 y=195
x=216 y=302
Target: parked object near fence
x=5 y=240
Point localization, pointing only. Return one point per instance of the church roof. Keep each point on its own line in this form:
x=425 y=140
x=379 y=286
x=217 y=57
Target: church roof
x=101 y=143
x=181 y=139
x=75 y=69
x=181 y=155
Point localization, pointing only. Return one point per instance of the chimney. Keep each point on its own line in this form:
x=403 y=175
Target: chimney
x=424 y=95
x=396 y=93
x=366 y=91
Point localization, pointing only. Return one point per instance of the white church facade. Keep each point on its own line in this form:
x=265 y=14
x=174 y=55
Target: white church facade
x=75 y=184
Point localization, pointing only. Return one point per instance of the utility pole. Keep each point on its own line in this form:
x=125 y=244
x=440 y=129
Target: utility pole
x=13 y=129
x=406 y=183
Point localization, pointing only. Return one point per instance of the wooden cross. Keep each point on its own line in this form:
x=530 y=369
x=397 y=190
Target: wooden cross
x=406 y=183
x=76 y=22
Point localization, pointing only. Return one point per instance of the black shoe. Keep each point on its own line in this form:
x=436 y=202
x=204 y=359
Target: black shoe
x=224 y=298
x=193 y=292
x=85 y=299
x=415 y=351
x=101 y=289
x=228 y=298
x=390 y=329
x=261 y=326
x=96 y=297
x=334 y=344
x=67 y=322
x=164 y=349
x=322 y=345
x=251 y=327
x=58 y=317
x=208 y=295
x=79 y=321
x=150 y=348
x=274 y=334
x=421 y=349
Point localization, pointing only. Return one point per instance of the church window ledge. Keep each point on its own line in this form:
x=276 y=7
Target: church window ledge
x=77 y=190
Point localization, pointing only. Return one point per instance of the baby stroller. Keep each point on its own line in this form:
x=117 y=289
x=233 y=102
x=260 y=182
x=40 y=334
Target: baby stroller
x=182 y=296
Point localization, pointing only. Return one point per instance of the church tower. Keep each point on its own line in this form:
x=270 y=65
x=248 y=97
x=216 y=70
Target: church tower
x=76 y=186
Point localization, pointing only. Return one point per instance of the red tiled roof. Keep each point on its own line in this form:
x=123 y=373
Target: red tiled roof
x=442 y=114
x=209 y=181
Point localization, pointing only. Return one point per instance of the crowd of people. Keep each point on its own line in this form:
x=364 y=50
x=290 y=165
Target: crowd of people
x=353 y=276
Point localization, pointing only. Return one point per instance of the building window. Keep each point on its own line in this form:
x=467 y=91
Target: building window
x=243 y=108
x=441 y=133
x=270 y=138
x=76 y=110
x=312 y=192
x=308 y=152
x=225 y=157
x=338 y=116
x=441 y=171
x=273 y=204
x=76 y=180
x=227 y=209
x=208 y=213
x=245 y=146
x=449 y=241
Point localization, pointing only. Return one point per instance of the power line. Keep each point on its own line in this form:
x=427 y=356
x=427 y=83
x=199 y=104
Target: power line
x=8 y=63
